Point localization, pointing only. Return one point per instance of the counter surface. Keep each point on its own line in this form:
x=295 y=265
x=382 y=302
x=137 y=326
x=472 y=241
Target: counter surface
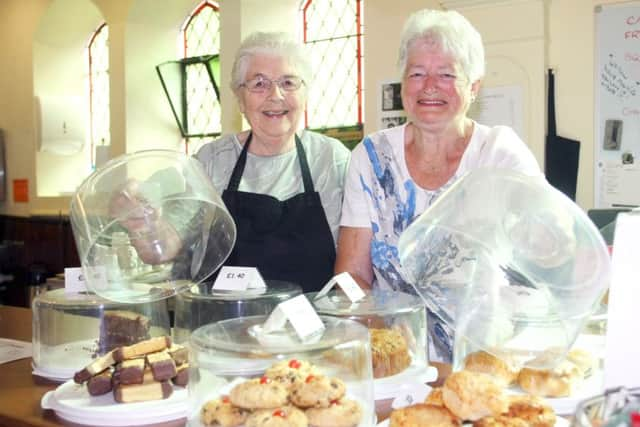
x=21 y=392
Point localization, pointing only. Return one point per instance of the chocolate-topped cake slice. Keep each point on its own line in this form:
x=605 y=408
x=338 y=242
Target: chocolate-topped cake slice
x=122 y=328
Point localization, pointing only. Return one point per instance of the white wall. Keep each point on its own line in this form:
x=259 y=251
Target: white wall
x=568 y=47
x=59 y=70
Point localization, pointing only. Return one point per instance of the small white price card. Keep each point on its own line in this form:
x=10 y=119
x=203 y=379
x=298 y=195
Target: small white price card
x=238 y=279
x=75 y=280
x=348 y=285
x=300 y=313
x=411 y=393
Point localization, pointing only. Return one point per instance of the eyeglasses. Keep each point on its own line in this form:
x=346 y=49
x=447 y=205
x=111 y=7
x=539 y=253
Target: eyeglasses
x=262 y=85
x=442 y=80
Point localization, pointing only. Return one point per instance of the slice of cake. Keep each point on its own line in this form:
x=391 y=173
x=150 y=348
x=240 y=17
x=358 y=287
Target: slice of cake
x=389 y=352
x=122 y=328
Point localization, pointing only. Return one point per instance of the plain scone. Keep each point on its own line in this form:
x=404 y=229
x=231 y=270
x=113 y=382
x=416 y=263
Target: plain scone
x=557 y=382
x=423 y=414
x=487 y=363
x=472 y=395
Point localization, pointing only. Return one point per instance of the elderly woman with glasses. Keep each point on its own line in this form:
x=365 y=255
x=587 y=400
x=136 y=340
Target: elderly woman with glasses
x=283 y=187
x=396 y=174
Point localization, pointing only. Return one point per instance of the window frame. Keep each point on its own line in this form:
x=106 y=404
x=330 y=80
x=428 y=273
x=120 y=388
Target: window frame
x=359 y=66
x=90 y=75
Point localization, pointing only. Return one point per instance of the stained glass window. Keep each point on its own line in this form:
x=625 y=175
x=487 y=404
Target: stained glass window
x=201 y=36
x=333 y=29
x=98 y=79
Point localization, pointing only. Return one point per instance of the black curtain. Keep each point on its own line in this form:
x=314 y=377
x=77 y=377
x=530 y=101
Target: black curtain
x=561 y=155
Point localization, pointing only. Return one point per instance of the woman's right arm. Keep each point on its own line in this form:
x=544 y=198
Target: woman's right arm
x=355 y=235
x=354 y=254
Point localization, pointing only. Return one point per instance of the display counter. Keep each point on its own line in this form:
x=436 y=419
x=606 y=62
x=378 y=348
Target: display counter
x=20 y=392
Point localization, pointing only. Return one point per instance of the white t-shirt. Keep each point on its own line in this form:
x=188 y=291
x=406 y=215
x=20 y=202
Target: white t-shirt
x=381 y=195
x=280 y=175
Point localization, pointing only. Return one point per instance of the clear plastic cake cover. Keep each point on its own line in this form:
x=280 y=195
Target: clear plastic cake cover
x=512 y=264
x=148 y=225
x=377 y=302
x=245 y=335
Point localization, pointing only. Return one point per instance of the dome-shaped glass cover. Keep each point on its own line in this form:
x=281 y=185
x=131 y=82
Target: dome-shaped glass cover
x=148 y=225
x=510 y=262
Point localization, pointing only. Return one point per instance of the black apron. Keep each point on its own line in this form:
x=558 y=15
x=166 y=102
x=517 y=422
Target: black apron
x=286 y=240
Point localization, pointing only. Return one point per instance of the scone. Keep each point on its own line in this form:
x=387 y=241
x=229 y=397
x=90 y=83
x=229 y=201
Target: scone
x=340 y=413
x=473 y=395
x=557 y=382
x=531 y=409
x=583 y=360
x=316 y=391
x=221 y=413
x=423 y=415
x=259 y=393
x=389 y=352
x=285 y=416
x=487 y=363
x=435 y=397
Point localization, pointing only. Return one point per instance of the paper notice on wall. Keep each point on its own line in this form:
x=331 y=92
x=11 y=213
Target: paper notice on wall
x=619 y=185
x=500 y=105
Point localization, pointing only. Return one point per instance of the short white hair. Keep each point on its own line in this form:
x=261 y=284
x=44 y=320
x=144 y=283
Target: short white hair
x=452 y=32
x=279 y=44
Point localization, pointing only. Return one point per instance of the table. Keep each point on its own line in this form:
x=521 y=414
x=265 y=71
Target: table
x=20 y=392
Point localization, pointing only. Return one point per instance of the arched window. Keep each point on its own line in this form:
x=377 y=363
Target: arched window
x=201 y=36
x=333 y=28
x=98 y=82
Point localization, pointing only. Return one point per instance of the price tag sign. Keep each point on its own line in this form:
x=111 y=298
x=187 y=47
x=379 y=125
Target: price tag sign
x=622 y=350
x=76 y=282
x=411 y=393
x=348 y=285
x=300 y=313
x=238 y=279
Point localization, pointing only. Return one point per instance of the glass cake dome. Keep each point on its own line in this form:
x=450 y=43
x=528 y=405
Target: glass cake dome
x=72 y=329
x=398 y=326
x=236 y=365
x=201 y=304
x=149 y=225
x=510 y=263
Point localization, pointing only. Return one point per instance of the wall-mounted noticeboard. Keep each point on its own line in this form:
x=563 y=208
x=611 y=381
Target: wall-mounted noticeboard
x=617 y=105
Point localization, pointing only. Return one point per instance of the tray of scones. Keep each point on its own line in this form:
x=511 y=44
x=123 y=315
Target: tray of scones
x=244 y=376
x=291 y=392
x=478 y=399
x=562 y=386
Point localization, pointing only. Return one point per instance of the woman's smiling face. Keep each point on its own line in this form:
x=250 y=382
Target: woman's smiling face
x=435 y=91
x=274 y=114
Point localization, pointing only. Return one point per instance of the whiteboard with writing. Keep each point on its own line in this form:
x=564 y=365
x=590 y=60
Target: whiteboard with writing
x=617 y=105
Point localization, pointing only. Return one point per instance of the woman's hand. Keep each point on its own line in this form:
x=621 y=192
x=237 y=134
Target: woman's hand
x=354 y=254
x=131 y=209
x=154 y=239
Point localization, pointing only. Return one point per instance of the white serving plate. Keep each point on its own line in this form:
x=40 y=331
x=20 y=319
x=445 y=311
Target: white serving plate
x=73 y=402
x=367 y=407
x=395 y=385
x=560 y=422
